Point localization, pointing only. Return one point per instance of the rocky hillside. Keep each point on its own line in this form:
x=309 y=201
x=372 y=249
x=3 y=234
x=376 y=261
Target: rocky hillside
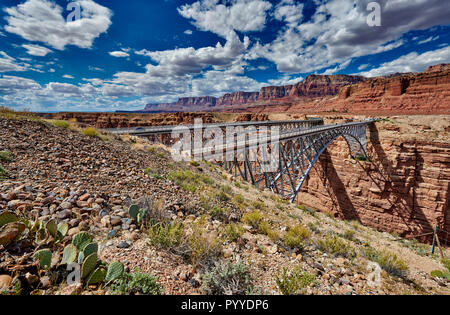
x=196 y=229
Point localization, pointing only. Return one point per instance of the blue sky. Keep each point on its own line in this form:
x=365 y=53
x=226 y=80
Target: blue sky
x=125 y=54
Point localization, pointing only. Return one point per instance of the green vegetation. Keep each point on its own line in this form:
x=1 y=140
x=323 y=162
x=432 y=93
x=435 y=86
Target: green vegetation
x=166 y=235
x=150 y=173
x=93 y=133
x=256 y=220
x=388 y=261
x=293 y=282
x=60 y=123
x=233 y=232
x=296 y=236
x=6 y=156
x=136 y=283
x=308 y=210
x=253 y=218
x=227 y=278
x=3 y=172
x=334 y=245
x=189 y=181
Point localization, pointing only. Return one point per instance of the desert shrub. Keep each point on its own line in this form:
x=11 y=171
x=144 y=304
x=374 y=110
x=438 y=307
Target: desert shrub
x=296 y=236
x=233 y=231
x=188 y=180
x=151 y=173
x=222 y=196
x=388 y=261
x=60 y=123
x=136 y=283
x=227 y=278
x=265 y=228
x=93 y=133
x=307 y=210
x=166 y=235
x=253 y=218
x=217 y=212
x=292 y=282
x=202 y=248
x=258 y=205
x=3 y=172
x=238 y=199
x=6 y=156
x=349 y=235
x=446 y=263
x=334 y=245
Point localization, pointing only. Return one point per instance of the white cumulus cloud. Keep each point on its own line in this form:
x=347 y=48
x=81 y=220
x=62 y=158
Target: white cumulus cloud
x=44 y=21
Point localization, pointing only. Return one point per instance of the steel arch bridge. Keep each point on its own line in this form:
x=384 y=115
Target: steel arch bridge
x=298 y=151
x=295 y=150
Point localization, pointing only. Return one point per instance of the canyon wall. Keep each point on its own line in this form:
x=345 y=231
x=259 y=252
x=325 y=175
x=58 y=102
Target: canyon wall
x=314 y=86
x=406 y=188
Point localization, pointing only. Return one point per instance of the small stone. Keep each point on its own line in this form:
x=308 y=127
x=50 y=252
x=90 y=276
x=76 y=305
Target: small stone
x=106 y=221
x=123 y=245
x=65 y=205
x=112 y=234
x=103 y=212
x=45 y=282
x=5 y=282
x=73 y=231
x=115 y=221
x=31 y=279
x=84 y=197
x=11 y=195
x=64 y=214
x=48 y=200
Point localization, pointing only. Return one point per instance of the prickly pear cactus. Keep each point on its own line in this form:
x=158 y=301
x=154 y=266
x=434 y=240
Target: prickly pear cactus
x=90 y=249
x=45 y=258
x=7 y=217
x=52 y=228
x=134 y=211
x=41 y=236
x=81 y=240
x=89 y=265
x=80 y=258
x=97 y=276
x=69 y=254
x=63 y=228
x=115 y=271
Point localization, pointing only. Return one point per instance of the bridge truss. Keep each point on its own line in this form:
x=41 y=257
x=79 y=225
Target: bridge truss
x=297 y=148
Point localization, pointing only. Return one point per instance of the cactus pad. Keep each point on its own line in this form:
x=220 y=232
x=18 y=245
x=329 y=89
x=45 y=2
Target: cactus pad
x=52 y=228
x=80 y=258
x=7 y=217
x=89 y=265
x=134 y=211
x=90 y=249
x=115 y=271
x=81 y=240
x=63 y=228
x=69 y=254
x=97 y=276
x=41 y=236
x=45 y=258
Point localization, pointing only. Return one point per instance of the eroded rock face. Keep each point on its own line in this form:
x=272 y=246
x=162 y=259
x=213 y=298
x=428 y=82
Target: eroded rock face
x=405 y=190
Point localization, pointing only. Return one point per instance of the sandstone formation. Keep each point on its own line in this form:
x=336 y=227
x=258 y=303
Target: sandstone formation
x=314 y=86
x=406 y=188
